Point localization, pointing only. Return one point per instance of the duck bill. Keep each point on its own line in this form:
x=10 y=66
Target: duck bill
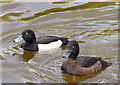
x=18 y=39
x=67 y=53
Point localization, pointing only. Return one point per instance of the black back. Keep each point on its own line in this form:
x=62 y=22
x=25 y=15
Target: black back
x=49 y=39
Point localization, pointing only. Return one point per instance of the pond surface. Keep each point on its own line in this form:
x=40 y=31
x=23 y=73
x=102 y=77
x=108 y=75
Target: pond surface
x=93 y=25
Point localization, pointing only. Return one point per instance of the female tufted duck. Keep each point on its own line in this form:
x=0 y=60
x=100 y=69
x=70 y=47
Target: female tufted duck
x=81 y=65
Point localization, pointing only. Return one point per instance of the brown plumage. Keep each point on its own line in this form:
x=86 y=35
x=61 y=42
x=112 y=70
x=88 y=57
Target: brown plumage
x=81 y=65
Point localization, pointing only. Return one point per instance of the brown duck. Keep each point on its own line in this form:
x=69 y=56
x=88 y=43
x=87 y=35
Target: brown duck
x=81 y=65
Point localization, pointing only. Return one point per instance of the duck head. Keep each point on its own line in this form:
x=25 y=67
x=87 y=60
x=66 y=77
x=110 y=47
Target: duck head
x=72 y=50
x=27 y=35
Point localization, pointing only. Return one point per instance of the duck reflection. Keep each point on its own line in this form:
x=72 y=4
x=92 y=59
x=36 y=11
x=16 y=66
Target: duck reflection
x=64 y=47
x=27 y=55
x=77 y=79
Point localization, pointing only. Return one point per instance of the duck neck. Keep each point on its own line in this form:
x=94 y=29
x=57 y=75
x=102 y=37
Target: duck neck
x=73 y=57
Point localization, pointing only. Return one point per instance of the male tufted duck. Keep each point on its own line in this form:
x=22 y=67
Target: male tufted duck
x=81 y=65
x=41 y=43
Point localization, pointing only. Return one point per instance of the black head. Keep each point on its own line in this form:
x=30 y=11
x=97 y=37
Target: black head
x=72 y=50
x=28 y=36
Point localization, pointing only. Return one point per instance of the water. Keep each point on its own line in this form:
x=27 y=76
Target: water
x=93 y=25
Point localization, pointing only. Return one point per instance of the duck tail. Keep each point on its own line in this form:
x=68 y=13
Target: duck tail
x=65 y=41
x=105 y=64
x=109 y=63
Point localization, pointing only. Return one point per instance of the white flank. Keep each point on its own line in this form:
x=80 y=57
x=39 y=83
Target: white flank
x=49 y=46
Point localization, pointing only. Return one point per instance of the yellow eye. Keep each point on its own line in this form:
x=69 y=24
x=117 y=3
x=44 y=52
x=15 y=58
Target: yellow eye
x=26 y=33
x=73 y=47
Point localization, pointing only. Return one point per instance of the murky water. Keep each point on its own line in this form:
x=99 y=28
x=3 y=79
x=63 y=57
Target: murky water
x=93 y=25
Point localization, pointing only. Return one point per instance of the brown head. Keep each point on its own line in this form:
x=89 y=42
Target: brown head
x=72 y=50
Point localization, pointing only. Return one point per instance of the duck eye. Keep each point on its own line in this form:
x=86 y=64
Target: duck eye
x=73 y=46
x=26 y=33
